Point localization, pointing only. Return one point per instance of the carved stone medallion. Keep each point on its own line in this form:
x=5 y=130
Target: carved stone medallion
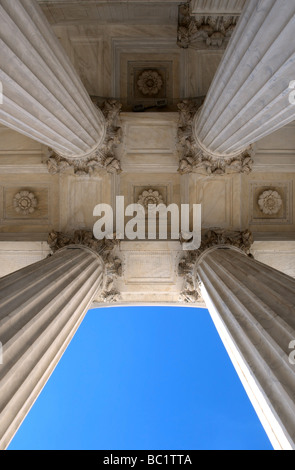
x=270 y=202
x=150 y=82
x=25 y=202
x=150 y=196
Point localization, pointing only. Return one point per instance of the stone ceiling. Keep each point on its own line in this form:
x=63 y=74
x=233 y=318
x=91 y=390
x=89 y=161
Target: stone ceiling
x=65 y=12
x=71 y=12
x=117 y=48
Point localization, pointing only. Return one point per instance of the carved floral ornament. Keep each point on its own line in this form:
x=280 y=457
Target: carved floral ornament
x=105 y=248
x=25 y=202
x=193 y=158
x=203 y=32
x=150 y=196
x=102 y=157
x=150 y=82
x=270 y=202
x=242 y=240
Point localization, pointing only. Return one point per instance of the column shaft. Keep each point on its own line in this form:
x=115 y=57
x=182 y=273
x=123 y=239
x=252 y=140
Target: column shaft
x=41 y=307
x=253 y=308
x=43 y=97
x=249 y=96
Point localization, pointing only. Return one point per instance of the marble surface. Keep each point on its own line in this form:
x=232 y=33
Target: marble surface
x=101 y=12
x=217 y=7
x=252 y=306
x=101 y=51
x=49 y=103
x=279 y=255
x=41 y=308
x=250 y=90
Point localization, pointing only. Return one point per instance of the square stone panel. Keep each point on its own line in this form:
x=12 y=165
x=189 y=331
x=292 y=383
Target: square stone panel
x=162 y=69
x=283 y=216
x=40 y=213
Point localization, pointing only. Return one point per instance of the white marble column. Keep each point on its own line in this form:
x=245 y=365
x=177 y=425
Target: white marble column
x=41 y=307
x=249 y=96
x=253 y=308
x=43 y=97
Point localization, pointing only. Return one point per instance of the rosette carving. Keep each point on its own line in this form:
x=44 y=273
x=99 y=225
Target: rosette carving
x=150 y=196
x=270 y=202
x=25 y=202
x=150 y=82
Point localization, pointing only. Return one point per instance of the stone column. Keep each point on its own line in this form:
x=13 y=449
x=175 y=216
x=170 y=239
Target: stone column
x=253 y=308
x=41 y=307
x=43 y=97
x=249 y=96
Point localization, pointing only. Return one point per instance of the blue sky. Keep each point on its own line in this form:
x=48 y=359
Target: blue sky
x=143 y=378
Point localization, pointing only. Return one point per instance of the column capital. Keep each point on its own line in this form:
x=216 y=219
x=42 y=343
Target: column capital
x=249 y=97
x=211 y=240
x=50 y=103
x=204 y=32
x=102 y=156
x=106 y=249
x=194 y=157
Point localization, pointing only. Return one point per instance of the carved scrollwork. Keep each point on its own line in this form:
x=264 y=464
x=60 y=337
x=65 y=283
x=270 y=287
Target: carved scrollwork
x=105 y=248
x=203 y=32
x=193 y=158
x=242 y=240
x=102 y=157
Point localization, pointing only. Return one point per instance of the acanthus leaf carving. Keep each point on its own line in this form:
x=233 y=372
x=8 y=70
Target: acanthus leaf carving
x=214 y=237
x=106 y=248
x=102 y=157
x=193 y=158
x=203 y=32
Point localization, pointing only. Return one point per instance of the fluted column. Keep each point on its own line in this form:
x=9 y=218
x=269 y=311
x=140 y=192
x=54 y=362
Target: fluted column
x=253 y=308
x=41 y=307
x=249 y=96
x=43 y=97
